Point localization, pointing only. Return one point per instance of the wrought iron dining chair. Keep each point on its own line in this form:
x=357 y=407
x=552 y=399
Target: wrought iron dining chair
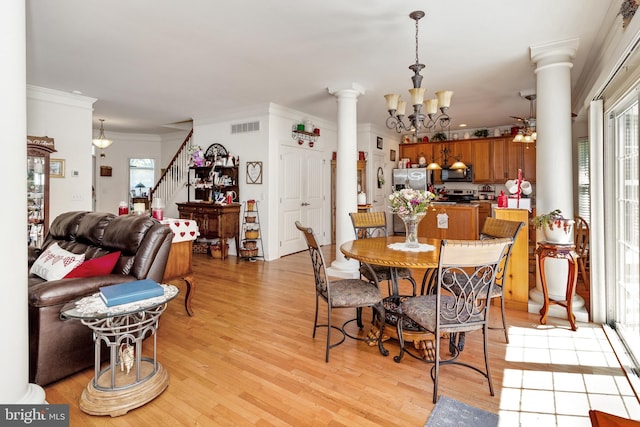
x=581 y=240
x=353 y=293
x=374 y=224
x=495 y=228
x=467 y=270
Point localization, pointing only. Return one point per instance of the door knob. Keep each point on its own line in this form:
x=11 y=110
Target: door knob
x=305 y=204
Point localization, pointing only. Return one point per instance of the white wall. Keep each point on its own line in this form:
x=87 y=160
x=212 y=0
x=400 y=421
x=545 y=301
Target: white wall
x=66 y=118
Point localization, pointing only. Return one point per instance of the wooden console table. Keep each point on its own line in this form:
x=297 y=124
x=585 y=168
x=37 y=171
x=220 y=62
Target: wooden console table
x=214 y=221
x=179 y=265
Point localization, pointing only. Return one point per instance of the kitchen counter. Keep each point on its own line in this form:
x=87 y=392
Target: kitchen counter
x=450 y=220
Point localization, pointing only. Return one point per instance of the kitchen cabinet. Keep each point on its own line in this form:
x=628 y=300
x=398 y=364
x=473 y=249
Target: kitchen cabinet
x=214 y=221
x=490 y=160
x=484 y=212
x=516 y=283
x=361 y=176
x=461 y=222
x=460 y=150
x=522 y=156
x=39 y=148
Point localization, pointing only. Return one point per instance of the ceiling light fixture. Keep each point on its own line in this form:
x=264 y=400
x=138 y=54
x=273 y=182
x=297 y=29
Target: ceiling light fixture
x=527 y=134
x=458 y=164
x=418 y=121
x=101 y=141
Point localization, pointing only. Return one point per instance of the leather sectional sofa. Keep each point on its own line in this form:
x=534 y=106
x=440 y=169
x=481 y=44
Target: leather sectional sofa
x=59 y=348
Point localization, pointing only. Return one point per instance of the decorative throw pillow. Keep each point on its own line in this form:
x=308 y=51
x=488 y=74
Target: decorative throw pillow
x=55 y=263
x=96 y=266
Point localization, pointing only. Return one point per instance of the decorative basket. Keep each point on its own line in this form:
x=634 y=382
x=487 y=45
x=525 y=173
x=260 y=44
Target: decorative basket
x=200 y=247
x=251 y=234
x=250 y=219
x=218 y=252
x=251 y=205
x=248 y=253
x=250 y=244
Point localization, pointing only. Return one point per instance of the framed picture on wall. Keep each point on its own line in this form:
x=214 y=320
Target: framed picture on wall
x=254 y=172
x=379 y=139
x=392 y=155
x=56 y=168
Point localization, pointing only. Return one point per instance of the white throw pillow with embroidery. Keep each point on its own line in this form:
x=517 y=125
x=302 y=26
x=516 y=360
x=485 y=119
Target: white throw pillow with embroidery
x=55 y=263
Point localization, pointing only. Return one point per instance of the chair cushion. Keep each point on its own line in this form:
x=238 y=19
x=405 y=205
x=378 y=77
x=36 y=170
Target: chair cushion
x=354 y=293
x=383 y=273
x=422 y=310
x=55 y=263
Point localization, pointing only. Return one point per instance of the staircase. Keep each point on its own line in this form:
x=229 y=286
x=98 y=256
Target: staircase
x=175 y=175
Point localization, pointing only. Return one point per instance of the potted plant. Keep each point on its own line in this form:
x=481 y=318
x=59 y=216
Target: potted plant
x=556 y=228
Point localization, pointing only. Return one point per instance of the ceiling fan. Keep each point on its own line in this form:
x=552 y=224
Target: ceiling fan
x=527 y=133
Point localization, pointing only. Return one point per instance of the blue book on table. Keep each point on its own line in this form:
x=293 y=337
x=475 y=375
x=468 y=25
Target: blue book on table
x=130 y=292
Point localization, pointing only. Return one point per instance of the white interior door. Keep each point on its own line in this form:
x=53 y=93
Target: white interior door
x=301 y=197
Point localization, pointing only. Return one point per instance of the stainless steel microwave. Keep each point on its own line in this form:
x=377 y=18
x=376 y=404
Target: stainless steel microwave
x=457 y=175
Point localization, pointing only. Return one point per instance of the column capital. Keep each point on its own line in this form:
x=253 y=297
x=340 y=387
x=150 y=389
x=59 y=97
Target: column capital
x=354 y=90
x=555 y=52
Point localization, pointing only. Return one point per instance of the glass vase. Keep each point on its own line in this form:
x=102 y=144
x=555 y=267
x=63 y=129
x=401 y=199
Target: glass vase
x=411 y=228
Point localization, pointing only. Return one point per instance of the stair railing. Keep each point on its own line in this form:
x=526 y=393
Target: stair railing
x=175 y=175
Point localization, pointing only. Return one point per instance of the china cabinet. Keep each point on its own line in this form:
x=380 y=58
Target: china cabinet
x=39 y=149
x=215 y=181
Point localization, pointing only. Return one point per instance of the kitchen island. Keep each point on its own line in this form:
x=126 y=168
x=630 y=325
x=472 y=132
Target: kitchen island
x=448 y=220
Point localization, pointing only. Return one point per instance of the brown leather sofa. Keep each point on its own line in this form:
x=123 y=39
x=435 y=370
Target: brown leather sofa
x=58 y=348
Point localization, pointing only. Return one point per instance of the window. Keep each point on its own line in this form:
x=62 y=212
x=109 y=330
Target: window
x=141 y=176
x=584 y=184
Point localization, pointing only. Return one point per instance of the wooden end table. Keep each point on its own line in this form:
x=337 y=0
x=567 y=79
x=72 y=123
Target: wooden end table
x=558 y=251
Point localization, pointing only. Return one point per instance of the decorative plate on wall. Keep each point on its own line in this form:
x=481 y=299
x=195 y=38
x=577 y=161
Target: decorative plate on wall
x=254 y=172
x=215 y=151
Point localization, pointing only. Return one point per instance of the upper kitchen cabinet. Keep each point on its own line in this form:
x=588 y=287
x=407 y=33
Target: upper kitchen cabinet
x=489 y=159
x=521 y=156
x=38 y=150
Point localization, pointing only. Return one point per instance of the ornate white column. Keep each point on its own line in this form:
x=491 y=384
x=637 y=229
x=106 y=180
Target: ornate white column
x=14 y=326
x=554 y=162
x=346 y=176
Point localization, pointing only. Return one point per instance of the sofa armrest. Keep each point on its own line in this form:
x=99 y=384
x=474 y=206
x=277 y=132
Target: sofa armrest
x=62 y=291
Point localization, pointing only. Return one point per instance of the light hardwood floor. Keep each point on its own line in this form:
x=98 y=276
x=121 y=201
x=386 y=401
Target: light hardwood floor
x=247 y=358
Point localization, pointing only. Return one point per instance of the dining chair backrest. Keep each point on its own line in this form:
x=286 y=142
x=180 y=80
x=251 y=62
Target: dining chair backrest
x=581 y=236
x=495 y=228
x=317 y=261
x=369 y=224
x=466 y=272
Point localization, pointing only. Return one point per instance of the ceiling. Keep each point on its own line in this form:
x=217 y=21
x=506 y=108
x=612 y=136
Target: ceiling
x=154 y=63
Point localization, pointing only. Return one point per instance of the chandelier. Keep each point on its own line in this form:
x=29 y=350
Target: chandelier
x=418 y=120
x=527 y=134
x=101 y=141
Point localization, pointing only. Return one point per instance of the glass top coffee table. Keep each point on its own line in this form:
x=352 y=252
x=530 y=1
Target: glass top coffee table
x=128 y=380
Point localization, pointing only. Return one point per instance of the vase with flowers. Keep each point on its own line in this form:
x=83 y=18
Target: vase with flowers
x=411 y=206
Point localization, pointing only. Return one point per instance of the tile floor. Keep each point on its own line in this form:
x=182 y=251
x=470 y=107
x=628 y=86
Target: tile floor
x=567 y=373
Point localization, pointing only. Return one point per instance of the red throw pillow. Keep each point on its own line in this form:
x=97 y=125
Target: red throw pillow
x=95 y=267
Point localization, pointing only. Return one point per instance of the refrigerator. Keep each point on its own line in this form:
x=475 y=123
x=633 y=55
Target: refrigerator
x=416 y=178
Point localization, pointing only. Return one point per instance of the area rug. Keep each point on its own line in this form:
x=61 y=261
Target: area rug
x=449 y=412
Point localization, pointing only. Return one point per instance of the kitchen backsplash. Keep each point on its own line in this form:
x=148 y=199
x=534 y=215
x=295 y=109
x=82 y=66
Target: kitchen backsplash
x=478 y=188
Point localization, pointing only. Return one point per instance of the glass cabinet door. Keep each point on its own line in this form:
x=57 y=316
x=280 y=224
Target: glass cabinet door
x=38 y=151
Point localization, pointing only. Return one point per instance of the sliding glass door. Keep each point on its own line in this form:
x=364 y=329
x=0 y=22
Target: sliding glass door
x=624 y=296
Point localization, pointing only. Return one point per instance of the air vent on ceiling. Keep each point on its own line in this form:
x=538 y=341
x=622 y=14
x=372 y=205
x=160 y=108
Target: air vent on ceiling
x=245 y=127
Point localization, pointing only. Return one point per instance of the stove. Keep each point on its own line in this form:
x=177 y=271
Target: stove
x=460 y=196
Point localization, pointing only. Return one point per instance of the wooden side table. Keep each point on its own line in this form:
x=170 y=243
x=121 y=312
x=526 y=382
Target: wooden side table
x=558 y=251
